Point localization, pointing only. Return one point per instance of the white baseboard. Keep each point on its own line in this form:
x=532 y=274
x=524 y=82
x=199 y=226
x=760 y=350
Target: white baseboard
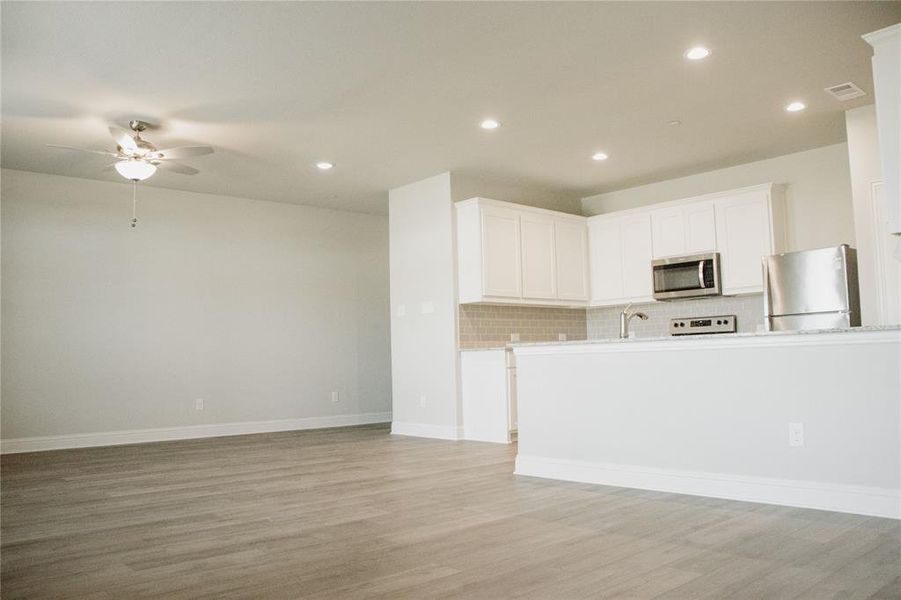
x=863 y=500
x=477 y=436
x=140 y=436
x=441 y=432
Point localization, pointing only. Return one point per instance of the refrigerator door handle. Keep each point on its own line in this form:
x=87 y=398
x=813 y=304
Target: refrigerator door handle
x=701 y=273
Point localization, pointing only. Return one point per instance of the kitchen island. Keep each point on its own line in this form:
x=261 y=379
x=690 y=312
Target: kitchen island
x=809 y=419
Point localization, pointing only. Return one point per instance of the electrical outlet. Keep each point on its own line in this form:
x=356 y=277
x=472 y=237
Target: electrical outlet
x=796 y=434
x=561 y=337
x=514 y=337
x=335 y=396
x=198 y=404
x=422 y=401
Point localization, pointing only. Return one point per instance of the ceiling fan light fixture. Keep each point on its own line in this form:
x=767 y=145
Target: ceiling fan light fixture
x=135 y=170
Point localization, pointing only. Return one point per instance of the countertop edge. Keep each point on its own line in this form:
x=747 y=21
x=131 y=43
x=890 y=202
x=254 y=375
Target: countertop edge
x=488 y=349
x=889 y=334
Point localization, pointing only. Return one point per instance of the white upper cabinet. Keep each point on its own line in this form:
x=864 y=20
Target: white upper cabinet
x=501 y=255
x=685 y=229
x=539 y=261
x=572 y=260
x=637 y=255
x=700 y=228
x=749 y=226
x=620 y=251
x=605 y=253
x=668 y=227
x=513 y=254
x=742 y=225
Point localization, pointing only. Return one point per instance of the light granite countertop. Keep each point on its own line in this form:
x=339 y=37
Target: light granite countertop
x=755 y=334
x=708 y=336
x=491 y=348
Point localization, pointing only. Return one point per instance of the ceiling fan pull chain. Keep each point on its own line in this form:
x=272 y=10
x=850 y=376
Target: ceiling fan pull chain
x=134 y=203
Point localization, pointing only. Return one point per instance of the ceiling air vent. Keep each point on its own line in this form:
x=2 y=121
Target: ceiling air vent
x=845 y=91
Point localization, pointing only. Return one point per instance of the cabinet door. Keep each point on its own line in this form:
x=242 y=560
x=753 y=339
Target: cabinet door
x=539 y=277
x=605 y=260
x=637 y=253
x=700 y=228
x=500 y=253
x=668 y=232
x=743 y=238
x=572 y=258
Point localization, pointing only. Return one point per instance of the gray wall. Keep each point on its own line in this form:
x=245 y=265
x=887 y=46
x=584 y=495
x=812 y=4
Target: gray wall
x=261 y=309
x=424 y=309
x=818 y=193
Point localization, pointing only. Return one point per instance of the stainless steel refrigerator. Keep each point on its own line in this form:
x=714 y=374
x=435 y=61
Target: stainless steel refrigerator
x=811 y=289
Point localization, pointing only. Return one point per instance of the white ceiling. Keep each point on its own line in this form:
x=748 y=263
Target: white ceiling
x=393 y=92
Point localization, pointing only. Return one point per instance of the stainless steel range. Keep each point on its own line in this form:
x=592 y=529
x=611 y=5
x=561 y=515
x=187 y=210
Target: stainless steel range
x=703 y=325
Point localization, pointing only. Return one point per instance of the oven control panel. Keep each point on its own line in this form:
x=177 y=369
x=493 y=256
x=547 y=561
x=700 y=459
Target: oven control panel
x=702 y=325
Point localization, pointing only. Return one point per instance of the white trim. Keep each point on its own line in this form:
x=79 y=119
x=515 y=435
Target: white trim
x=480 y=201
x=863 y=500
x=469 y=436
x=890 y=335
x=709 y=197
x=880 y=35
x=141 y=436
x=427 y=430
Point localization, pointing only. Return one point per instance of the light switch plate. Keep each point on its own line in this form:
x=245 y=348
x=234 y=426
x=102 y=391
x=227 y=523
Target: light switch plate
x=514 y=337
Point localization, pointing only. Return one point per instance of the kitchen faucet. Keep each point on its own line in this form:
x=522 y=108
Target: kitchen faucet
x=625 y=317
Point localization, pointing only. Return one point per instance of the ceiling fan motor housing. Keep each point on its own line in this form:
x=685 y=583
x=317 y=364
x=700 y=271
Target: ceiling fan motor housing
x=138 y=126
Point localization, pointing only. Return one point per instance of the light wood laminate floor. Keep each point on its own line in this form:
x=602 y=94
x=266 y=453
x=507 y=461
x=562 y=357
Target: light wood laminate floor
x=358 y=513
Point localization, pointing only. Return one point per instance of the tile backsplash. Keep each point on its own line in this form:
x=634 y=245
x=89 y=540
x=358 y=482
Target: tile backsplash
x=487 y=326
x=604 y=322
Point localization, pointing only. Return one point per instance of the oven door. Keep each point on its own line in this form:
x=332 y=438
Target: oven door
x=687 y=277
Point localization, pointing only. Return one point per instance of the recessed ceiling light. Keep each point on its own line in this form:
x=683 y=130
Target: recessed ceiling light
x=324 y=165
x=599 y=156
x=697 y=53
x=489 y=124
x=796 y=106
x=674 y=123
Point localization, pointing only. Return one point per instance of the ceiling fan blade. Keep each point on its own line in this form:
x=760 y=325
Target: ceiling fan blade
x=177 y=168
x=103 y=152
x=125 y=141
x=182 y=152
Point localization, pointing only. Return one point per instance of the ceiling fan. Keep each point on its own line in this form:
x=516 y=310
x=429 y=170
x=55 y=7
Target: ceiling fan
x=138 y=159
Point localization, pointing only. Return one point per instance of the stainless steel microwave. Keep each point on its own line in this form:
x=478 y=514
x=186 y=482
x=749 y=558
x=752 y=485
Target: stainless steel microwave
x=687 y=276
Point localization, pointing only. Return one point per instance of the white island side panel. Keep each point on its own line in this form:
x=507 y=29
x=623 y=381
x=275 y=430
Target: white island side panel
x=711 y=417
